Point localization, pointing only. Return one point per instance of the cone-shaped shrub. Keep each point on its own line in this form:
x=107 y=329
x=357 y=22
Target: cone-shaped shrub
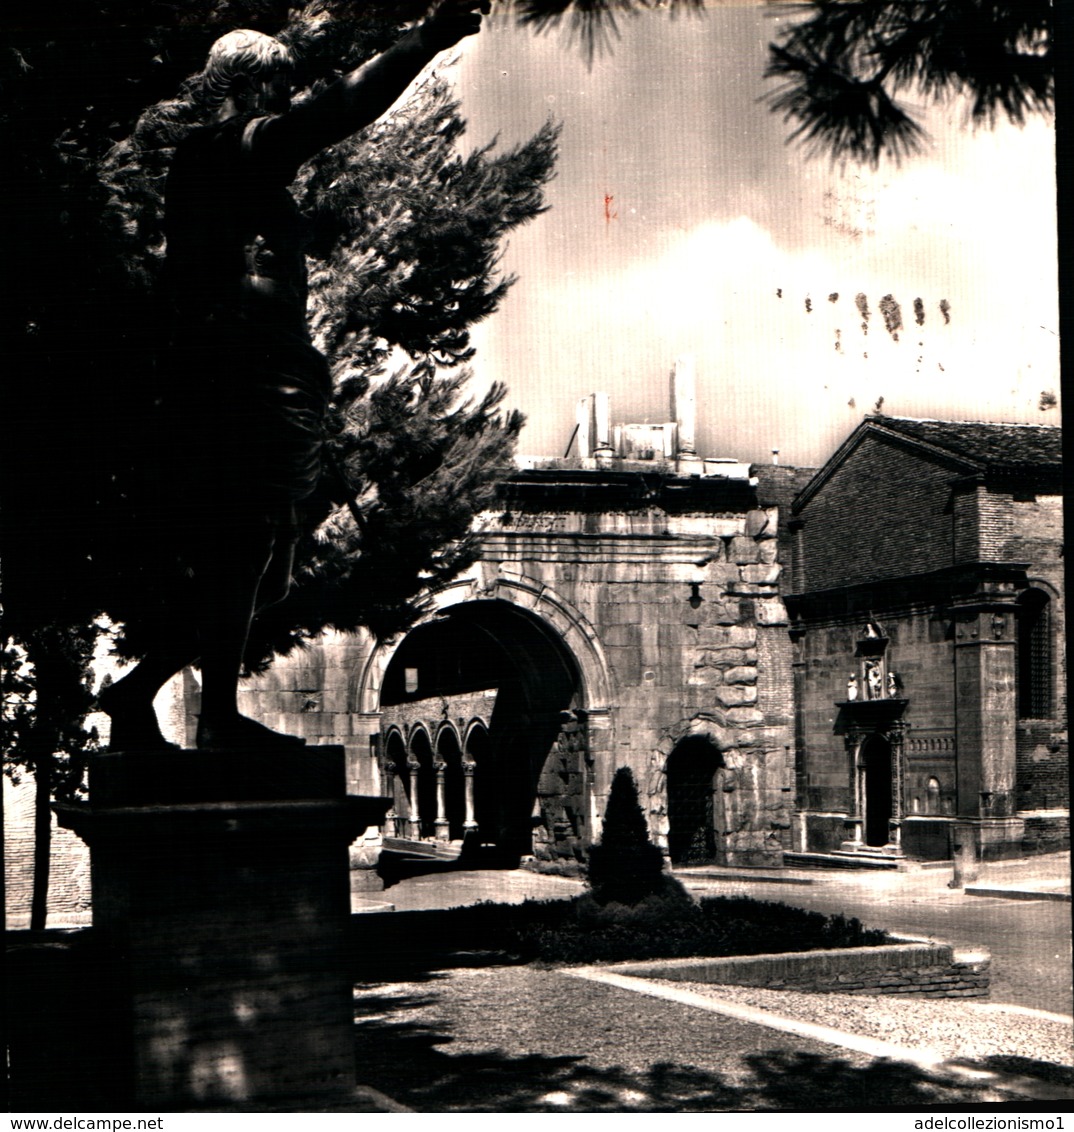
x=625 y=867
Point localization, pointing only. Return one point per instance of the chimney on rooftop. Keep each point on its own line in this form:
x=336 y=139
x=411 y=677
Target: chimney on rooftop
x=684 y=414
x=584 y=427
x=602 y=428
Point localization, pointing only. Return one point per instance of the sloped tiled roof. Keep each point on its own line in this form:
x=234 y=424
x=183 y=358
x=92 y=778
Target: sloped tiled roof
x=994 y=445
x=1026 y=452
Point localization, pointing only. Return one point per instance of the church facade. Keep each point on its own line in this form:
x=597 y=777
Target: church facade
x=927 y=615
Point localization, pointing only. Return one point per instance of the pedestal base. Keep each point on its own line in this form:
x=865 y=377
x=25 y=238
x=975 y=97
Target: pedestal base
x=221 y=901
x=976 y=839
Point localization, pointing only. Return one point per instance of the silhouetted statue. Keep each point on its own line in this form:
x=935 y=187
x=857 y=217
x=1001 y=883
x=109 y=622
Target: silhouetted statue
x=246 y=403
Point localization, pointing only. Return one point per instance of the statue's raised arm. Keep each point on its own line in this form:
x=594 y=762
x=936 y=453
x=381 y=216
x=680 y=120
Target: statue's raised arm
x=292 y=135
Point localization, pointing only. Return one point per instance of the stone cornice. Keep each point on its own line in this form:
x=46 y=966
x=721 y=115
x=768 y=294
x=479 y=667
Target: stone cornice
x=964 y=582
x=602 y=490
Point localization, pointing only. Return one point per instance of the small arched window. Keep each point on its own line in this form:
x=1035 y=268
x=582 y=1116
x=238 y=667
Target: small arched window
x=1036 y=667
x=932 y=796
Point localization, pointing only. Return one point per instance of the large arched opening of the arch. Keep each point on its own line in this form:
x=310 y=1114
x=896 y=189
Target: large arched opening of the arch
x=513 y=668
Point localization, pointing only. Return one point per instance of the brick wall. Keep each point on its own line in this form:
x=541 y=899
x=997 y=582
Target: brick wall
x=1031 y=531
x=1046 y=833
x=884 y=512
x=458 y=710
x=1043 y=766
x=928 y=970
x=884 y=515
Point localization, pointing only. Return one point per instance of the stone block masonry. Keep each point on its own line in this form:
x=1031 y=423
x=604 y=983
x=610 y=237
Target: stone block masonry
x=657 y=595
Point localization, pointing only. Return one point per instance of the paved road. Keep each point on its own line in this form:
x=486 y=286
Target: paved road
x=1030 y=940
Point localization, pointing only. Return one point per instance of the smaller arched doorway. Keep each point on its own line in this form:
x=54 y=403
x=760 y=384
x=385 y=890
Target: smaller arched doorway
x=876 y=763
x=695 y=802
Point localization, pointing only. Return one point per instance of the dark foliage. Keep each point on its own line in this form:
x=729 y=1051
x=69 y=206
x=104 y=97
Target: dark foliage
x=715 y=927
x=407 y=232
x=593 y=25
x=572 y=931
x=406 y=235
x=848 y=70
x=625 y=867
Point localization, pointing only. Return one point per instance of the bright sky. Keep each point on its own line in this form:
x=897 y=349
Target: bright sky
x=681 y=222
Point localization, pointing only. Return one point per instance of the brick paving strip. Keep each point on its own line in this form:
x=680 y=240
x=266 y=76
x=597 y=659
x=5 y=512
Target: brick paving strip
x=922 y=1057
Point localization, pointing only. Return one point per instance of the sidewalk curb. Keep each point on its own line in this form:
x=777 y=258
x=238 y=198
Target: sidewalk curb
x=930 y=968
x=688 y=876
x=1015 y=893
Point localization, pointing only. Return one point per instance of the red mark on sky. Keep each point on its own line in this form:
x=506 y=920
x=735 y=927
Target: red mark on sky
x=610 y=213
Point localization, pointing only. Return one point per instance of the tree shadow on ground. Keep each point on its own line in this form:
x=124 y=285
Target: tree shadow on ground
x=1061 y=1076
x=414 y=1062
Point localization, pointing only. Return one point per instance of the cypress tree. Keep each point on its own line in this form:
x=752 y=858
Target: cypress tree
x=625 y=867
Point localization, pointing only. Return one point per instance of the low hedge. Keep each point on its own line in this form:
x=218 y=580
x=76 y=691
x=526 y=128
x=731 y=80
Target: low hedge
x=665 y=926
x=659 y=929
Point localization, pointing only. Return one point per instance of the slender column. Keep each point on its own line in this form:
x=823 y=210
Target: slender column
x=469 y=768
x=441 y=823
x=895 y=823
x=415 y=810
x=392 y=815
x=602 y=427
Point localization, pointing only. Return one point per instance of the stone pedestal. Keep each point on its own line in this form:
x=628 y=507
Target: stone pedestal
x=963 y=855
x=221 y=902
